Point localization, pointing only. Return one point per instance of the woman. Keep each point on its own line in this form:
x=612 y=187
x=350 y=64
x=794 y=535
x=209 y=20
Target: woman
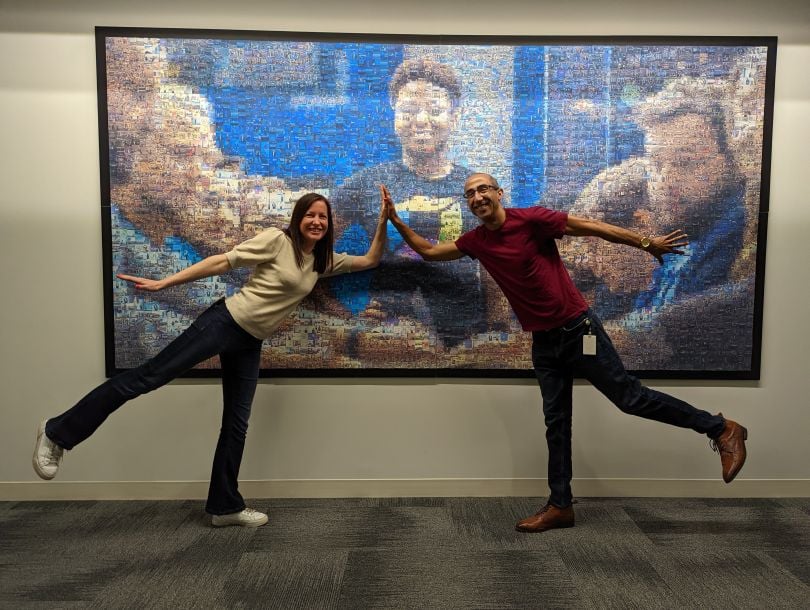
x=287 y=265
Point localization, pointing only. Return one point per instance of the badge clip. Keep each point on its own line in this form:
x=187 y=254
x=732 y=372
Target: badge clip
x=588 y=341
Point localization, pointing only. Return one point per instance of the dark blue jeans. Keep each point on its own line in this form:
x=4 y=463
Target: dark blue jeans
x=214 y=332
x=557 y=358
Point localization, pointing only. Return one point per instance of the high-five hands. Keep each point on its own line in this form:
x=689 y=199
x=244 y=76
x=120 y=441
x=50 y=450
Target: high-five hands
x=389 y=209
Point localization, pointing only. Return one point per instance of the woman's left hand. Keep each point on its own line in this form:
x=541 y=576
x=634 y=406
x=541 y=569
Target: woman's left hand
x=142 y=283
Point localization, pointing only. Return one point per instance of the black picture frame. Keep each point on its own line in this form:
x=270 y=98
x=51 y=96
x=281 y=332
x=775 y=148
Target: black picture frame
x=193 y=121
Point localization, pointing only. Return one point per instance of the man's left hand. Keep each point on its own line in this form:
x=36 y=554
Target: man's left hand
x=667 y=244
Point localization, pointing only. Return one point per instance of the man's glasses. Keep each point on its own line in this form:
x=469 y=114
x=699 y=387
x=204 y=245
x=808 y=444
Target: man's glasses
x=481 y=189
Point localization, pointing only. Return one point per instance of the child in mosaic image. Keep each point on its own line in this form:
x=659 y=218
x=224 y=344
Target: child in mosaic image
x=409 y=301
x=286 y=265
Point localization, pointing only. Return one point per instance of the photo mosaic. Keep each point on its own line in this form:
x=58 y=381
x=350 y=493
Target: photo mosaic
x=210 y=140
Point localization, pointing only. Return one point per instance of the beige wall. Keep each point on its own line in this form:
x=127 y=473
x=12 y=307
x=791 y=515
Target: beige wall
x=488 y=432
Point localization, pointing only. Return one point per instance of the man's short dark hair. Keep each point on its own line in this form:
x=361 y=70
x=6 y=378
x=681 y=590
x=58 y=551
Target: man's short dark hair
x=429 y=70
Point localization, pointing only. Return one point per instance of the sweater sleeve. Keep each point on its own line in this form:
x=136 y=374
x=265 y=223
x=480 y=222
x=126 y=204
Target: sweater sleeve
x=260 y=249
x=341 y=263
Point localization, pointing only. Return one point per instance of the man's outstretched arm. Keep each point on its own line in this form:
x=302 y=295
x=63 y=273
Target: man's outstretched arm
x=443 y=251
x=657 y=245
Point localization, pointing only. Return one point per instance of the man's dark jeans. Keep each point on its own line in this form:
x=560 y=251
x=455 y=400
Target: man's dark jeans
x=557 y=358
x=214 y=332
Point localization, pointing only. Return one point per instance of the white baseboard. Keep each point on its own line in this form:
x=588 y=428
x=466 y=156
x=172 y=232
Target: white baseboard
x=371 y=488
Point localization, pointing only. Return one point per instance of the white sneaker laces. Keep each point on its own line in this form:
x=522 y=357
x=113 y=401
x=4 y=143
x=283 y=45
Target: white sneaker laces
x=53 y=453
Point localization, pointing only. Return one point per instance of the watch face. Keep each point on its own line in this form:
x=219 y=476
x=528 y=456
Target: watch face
x=645 y=242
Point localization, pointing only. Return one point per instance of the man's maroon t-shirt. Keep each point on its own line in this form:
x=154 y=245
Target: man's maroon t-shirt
x=523 y=259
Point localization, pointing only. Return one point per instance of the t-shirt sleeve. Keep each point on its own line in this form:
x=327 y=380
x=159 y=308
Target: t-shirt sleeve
x=341 y=263
x=548 y=224
x=260 y=249
x=466 y=243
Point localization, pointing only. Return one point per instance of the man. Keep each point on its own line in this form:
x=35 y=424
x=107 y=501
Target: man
x=687 y=177
x=517 y=247
x=425 y=96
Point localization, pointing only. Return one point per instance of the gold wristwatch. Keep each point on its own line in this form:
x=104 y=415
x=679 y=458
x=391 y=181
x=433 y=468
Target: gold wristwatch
x=645 y=242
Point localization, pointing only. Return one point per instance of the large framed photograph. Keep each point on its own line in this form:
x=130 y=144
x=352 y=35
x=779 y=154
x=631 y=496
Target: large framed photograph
x=208 y=137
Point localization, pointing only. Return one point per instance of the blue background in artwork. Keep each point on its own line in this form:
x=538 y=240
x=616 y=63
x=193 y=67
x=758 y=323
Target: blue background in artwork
x=324 y=141
x=317 y=142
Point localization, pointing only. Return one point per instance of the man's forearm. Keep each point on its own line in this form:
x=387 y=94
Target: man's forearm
x=620 y=235
x=606 y=231
x=657 y=246
x=417 y=243
x=442 y=251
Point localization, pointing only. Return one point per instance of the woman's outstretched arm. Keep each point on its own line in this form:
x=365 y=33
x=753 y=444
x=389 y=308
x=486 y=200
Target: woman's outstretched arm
x=213 y=265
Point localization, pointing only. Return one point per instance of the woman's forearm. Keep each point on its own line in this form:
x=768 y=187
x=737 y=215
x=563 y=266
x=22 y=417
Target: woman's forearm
x=213 y=265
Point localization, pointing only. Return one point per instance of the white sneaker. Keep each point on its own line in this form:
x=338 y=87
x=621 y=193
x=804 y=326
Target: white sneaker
x=47 y=454
x=247 y=518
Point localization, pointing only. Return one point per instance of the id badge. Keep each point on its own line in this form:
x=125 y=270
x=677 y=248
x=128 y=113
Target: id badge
x=589 y=342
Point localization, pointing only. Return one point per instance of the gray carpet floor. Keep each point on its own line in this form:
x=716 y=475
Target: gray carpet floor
x=408 y=553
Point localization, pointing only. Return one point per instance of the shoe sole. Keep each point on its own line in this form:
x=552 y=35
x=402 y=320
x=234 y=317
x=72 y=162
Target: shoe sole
x=548 y=529
x=252 y=524
x=745 y=457
x=35 y=462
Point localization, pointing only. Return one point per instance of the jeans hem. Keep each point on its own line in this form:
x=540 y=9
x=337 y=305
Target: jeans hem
x=56 y=441
x=720 y=432
x=226 y=511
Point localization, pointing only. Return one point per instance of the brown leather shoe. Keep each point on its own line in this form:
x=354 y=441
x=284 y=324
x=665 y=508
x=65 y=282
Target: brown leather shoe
x=549 y=518
x=731 y=447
